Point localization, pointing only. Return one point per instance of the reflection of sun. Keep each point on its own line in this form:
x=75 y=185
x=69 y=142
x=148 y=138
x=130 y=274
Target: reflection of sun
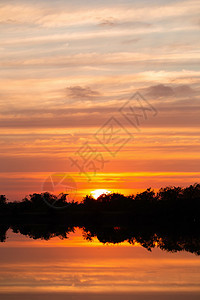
x=97 y=193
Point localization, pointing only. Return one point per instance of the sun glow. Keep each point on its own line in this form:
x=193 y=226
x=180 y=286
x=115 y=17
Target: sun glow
x=99 y=192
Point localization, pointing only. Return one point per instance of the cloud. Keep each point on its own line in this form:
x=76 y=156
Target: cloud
x=161 y=90
x=64 y=15
x=78 y=92
x=184 y=90
x=173 y=115
x=129 y=41
x=127 y=24
x=108 y=22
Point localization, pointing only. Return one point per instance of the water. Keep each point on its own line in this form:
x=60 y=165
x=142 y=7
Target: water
x=75 y=268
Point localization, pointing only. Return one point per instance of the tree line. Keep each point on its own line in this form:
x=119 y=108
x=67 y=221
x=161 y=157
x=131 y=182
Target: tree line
x=168 y=219
x=169 y=202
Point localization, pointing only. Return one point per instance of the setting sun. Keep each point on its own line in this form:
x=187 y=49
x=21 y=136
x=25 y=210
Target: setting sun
x=97 y=193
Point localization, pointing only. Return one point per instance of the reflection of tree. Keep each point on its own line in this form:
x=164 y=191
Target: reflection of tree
x=169 y=219
x=146 y=238
x=43 y=231
x=166 y=240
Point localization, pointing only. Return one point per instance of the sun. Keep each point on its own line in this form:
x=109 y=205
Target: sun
x=99 y=192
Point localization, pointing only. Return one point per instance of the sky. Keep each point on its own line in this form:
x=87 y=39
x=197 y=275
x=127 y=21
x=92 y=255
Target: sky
x=101 y=94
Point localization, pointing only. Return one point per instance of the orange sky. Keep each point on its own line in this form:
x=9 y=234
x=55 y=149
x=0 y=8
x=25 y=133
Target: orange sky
x=69 y=77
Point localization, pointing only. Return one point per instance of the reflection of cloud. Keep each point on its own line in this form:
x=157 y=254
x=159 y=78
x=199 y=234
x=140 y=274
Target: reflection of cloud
x=115 y=269
x=81 y=92
x=79 y=280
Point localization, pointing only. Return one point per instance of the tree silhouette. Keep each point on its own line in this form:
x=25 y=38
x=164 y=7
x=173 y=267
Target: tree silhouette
x=169 y=219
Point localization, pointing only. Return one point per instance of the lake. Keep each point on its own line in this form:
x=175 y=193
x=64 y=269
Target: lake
x=76 y=268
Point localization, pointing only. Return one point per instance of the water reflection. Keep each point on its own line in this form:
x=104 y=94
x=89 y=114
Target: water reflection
x=149 y=238
x=83 y=269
